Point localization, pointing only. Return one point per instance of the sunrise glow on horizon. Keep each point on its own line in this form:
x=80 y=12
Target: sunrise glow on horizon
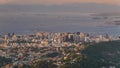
x=57 y=2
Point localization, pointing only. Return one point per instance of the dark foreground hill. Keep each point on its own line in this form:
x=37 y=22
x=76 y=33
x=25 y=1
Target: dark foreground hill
x=102 y=55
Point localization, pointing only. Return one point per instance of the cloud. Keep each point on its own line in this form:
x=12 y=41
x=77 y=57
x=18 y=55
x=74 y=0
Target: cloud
x=57 y=1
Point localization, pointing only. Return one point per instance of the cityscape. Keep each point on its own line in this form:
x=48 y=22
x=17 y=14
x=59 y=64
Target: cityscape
x=59 y=33
x=26 y=50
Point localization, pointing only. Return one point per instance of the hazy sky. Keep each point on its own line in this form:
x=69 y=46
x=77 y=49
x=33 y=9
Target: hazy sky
x=59 y=6
x=57 y=1
x=16 y=14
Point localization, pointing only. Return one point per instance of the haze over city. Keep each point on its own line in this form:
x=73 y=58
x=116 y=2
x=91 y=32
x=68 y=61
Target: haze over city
x=45 y=15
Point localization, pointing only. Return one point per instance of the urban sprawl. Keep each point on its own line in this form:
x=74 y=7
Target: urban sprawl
x=29 y=49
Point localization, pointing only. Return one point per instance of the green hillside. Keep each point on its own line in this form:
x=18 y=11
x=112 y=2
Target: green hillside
x=105 y=54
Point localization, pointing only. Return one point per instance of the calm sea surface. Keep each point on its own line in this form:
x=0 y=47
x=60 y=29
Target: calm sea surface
x=24 y=23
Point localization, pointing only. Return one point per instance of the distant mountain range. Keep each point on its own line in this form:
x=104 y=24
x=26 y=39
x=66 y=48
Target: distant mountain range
x=82 y=7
